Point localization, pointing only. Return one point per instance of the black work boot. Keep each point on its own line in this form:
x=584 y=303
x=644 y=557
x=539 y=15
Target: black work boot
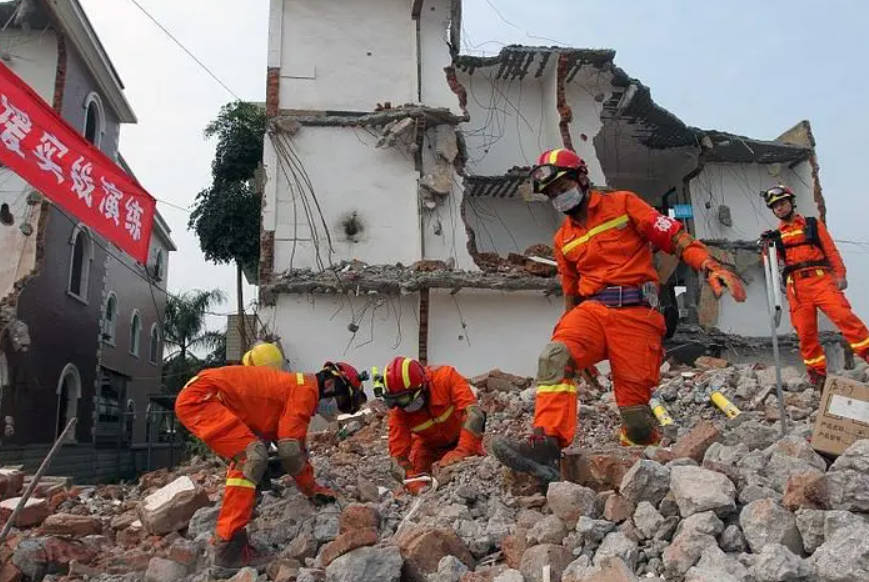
x=539 y=455
x=238 y=553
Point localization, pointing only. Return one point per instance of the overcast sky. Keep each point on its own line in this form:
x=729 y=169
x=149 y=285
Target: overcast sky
x=752 y=68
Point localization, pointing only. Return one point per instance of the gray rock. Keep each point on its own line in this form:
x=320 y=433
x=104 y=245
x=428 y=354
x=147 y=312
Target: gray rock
x=203 y=521
x=725 y=459
x=668 y=506
x=647 y=519
x=683 y=462
x=534 y=558
x=848 y=489
x=569 y=501
x=609 y=570
x=528 y=517
x=810 y=523
x=311 y=575
x=577 y=570
x=326 y=526
x=732 y=540
x=30 y=558
x=716 y=565
x=753 y=492
x=843 y=557
x=592 y=531
x=696 y=490
x=781 y=467
x=453 y=511
x=646 y=481
x=510 y=575
x=766 y=522
x=753 y=434
x=368 y=563
x=701 y=523
x=667 y=528
x=450 y=569
x=837 y=519
x=162 y=570
x=684 y=552
x=549 y=530
x=617 y=545
x=855 y=458
x=776 y=563
x=501 y=523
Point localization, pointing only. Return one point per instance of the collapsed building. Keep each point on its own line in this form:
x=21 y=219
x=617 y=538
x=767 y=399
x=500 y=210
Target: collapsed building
x=397 y=214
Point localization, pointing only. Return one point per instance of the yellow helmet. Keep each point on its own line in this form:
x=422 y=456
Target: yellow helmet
x=264 y=354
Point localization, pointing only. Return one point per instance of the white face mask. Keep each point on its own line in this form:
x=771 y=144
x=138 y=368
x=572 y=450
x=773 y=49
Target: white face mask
x=328 y=408
x=568 y=200
x=416 y=404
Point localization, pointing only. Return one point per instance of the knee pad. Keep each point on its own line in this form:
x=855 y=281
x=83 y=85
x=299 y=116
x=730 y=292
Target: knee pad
x=292 y=456
x=639 y=423
x=256 y=459
x=554 y=364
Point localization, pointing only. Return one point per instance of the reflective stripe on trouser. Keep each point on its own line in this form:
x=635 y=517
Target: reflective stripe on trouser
x=239 y=497
x=630 y=337
x=200 y=410
x=805 y=297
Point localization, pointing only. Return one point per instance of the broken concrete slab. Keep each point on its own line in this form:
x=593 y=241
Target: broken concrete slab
x=171 y=507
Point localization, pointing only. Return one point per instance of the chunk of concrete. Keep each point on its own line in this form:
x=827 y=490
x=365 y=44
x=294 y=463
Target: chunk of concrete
x=171 y=507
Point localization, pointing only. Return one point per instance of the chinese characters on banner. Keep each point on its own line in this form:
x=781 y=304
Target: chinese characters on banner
x=38 y=145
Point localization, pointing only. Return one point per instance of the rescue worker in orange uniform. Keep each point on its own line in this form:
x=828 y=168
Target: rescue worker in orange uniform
x=238 y=410
x=814 y=275
x=434 y=418
x=604 y=253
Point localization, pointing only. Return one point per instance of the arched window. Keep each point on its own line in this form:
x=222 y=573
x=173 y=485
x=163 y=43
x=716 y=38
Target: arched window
x=135 y=332
x=110 y=318
x=68 y=394
x=154 y=346
x=81 y=255
x=94 y=124
x=158 y=266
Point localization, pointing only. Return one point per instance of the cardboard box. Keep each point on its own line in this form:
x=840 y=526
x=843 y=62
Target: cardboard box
x=843 y=416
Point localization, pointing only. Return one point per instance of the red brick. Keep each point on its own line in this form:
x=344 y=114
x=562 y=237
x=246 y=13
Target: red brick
x=617 y=509
x=694 y=444
x=33 y=513
x=422 y=549
x=63 y=551
x=710 y=363
x=347 y=542
x=65 y=524
x=9 y=573
x=806 y=491
x=513 y=546
x=359 y=516
x=599 y=470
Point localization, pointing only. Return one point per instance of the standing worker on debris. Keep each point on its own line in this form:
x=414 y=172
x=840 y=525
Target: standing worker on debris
x=433 y=417
x=238 y=410
x=604 y=253
x=814 y=275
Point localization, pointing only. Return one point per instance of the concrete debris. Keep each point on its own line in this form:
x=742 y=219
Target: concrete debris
x=722 y=499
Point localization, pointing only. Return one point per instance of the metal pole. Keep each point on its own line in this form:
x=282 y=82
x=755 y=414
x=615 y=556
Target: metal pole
x=770 y=270
x=35 y=480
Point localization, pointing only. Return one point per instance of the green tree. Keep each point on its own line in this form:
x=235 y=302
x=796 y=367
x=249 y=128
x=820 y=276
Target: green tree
x=184 y=331
x=226 y=216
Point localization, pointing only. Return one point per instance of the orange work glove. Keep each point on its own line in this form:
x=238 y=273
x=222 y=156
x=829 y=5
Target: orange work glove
x=468 y=446
x=720 y=277
x=318 y=494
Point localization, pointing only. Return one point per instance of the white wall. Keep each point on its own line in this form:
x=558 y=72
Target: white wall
x=434 y=22
x=313 y=328
x=347 y=55
x=502 y=330
x=348 y=175
x=511 y=225
x=581 y=94
x=33 y=58
x=19 y=251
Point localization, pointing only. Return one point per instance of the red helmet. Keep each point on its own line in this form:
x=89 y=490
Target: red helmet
x=553 y=164
x=402 y=374
x=349 y=392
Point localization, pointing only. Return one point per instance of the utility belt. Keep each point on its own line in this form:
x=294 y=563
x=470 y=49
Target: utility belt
x=804 y=270
x=623 y=296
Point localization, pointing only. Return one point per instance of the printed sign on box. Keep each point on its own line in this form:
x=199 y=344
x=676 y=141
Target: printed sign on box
x=843 y=416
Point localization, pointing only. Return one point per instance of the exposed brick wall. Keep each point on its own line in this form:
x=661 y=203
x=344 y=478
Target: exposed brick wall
x=273 y=84
x=60 y=73
x=564 y=110
x=266 y=256
x=423 y=326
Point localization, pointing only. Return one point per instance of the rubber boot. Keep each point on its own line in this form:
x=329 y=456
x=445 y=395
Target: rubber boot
x=238 y=553
x=539 y=455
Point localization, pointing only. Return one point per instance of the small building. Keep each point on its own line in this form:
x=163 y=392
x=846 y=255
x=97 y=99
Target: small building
x=397 y=213
x=80 y=319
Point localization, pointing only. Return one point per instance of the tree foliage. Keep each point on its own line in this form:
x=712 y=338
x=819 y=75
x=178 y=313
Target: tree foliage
x=239 y=128
x=184 y=331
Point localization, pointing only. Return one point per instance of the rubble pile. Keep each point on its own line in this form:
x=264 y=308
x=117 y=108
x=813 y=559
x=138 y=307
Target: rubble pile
x=724 y=499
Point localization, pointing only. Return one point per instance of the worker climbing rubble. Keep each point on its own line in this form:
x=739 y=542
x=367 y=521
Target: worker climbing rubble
x=238 y=410
x=434 y=418
x=815 y=278
x=604 y=254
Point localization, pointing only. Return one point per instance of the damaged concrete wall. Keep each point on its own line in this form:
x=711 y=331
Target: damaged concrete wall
x=434 y=55
x=347 y=55
x=367 y=196
x=475 y=330
x=32 y=55
x=510 y=225
x=585 y=95
x=17 y=217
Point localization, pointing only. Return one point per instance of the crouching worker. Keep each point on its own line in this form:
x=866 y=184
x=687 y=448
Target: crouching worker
x=434 y=418
x=238 y=410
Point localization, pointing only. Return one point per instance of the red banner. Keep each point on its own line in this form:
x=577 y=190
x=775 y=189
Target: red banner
x=41 y=147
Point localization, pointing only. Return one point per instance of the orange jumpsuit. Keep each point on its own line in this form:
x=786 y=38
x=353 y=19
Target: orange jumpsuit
x=231 y=407
x=613 y=247
x=813 y=288
x=428 y=434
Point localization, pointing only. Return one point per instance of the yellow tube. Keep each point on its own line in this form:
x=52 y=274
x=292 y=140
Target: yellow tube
x=664 y=418
x=726 y=406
